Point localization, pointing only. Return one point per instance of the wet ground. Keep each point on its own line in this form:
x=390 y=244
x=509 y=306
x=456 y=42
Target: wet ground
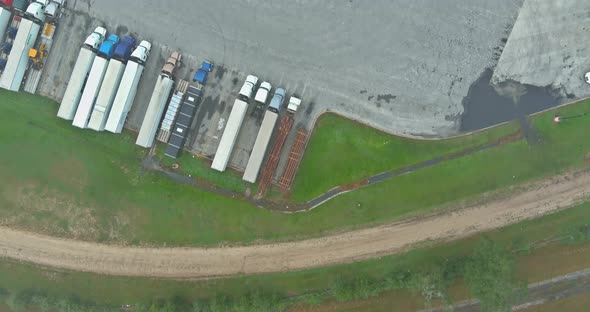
x=487 y=105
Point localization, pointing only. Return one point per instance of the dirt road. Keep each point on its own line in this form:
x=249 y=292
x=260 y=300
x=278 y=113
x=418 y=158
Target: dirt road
x=537 y=199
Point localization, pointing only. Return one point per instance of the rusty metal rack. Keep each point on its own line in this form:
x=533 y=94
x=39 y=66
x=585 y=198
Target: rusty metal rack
x=294 y=159
x=285 y=126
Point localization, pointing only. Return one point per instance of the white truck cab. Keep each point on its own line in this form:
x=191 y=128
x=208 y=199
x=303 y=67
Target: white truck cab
x=141 y=53
x=248 y=87
x=95 y=39
x=36 y=10
x=293 y=105
x=263 y=92
x=54 y=8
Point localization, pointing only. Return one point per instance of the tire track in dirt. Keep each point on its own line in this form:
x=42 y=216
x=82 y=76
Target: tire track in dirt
x=533 y=200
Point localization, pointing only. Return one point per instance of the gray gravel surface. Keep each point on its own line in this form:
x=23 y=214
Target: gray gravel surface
x=402 y=66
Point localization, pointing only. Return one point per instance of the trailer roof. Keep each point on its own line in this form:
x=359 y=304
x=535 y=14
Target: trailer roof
x=230 y=134
x=260 y=146
x=151 y=121
x=183 y=122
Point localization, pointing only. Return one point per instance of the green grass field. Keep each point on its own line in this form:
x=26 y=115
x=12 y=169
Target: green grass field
x=341 y=152
x=87 y=185
x=201 y=169
x=539 y=264
x=563 y=146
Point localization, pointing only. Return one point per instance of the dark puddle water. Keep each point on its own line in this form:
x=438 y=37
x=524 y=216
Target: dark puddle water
x=486 y=105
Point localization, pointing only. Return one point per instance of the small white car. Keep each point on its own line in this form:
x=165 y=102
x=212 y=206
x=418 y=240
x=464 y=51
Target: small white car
x=248 y=87
x=293 y=104
x=587 y=77
x=263 y=92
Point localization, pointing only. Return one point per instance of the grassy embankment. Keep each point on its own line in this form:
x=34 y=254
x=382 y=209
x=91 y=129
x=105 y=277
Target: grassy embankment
x=87 y=185
x=533 y=265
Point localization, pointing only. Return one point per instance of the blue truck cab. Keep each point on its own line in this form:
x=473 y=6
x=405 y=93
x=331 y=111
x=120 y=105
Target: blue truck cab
x=201 y=74
x=108 y=46
x=124 y=49
x=277 y=100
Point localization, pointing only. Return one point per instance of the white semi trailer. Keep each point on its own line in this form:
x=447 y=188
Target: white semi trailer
x=106 y=95
x=4 y=21
x=164 y=84
x=260 y=146
x=69 y=103
x=95 y=79
x=110 y=84
x=18 y=59
x=230 y=135
x=128 y=88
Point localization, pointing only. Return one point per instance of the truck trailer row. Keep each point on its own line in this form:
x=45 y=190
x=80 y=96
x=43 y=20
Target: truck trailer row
x=22 y=22
x=26 y=36
x=104 y=81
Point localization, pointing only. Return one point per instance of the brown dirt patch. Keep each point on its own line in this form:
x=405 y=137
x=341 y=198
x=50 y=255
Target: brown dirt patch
x=536 y=199
x=51 y=212
x=71 y=172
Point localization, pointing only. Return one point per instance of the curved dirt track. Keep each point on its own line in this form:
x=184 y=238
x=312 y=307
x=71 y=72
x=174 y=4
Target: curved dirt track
x=538 y=199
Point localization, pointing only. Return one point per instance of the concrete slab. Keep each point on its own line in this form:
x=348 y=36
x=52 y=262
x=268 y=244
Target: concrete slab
x=548 y=47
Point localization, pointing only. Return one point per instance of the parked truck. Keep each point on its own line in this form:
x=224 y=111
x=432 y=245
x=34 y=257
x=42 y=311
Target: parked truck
x=263 y=92
x=230 y=135
x=162 y=89
x=294 y=104
x=94 y=82
x=26 y=36
x=20 y=5
x=110 y=85
x=38 y=56
x=128 y=87
x=5 y=14
x=248 y=87
x=54 y=10
x=263 y=138
x=69 y=103
x=260 y=146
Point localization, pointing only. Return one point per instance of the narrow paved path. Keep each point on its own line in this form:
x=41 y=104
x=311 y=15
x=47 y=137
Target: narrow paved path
x=150 y=163
x=532 y=201
x=558 y=288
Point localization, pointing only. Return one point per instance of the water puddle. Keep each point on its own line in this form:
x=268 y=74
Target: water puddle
x=487 y=105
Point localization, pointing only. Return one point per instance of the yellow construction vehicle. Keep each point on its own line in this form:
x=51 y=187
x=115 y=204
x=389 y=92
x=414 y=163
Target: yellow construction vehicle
x=37 y=55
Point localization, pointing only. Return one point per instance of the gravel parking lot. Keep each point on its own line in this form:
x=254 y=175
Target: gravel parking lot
x=400 y=66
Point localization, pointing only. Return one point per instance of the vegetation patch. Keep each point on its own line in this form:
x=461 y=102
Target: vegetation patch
x=341 y=151
x=79 y=183
x=428 y=276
